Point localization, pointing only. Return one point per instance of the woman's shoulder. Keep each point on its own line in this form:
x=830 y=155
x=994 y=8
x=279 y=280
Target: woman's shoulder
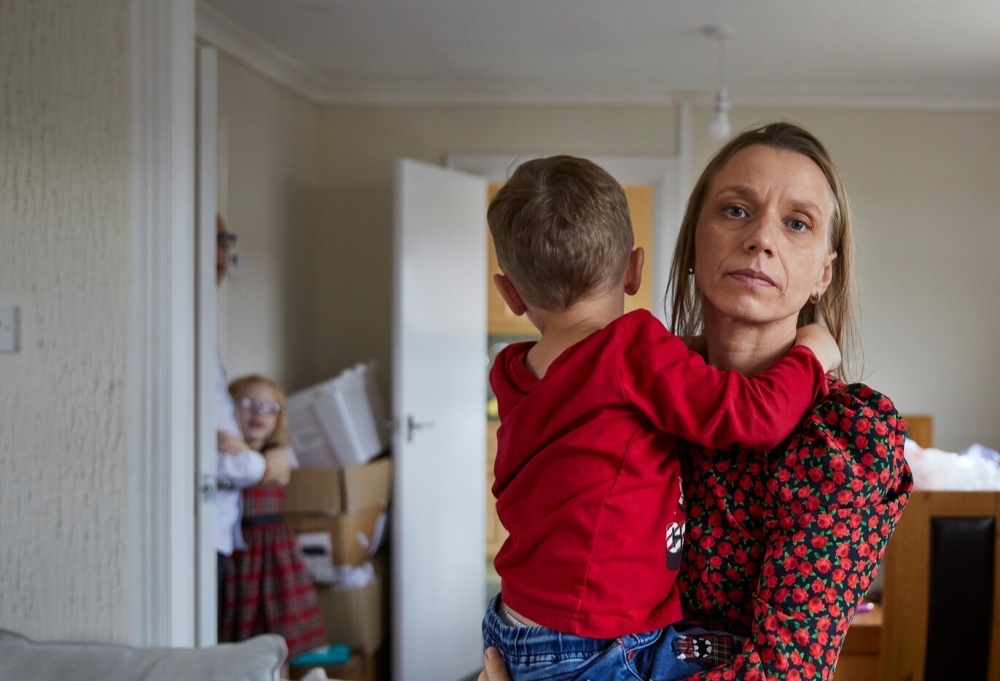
x=850 y=446
x=845 y=404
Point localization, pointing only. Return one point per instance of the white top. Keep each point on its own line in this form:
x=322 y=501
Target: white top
x=234 y=473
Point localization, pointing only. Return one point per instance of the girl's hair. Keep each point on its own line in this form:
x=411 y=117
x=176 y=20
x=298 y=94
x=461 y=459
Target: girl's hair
x=837 y=307
x=279 y=436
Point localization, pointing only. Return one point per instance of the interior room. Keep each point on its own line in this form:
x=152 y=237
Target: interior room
x=97 y=428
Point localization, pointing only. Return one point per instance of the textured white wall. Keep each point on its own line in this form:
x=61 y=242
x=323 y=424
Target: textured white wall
x=64 y=254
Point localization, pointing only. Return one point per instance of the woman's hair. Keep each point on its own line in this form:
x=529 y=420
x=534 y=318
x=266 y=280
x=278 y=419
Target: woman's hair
x=836 y=308
x=278 y=437
x=562 y=230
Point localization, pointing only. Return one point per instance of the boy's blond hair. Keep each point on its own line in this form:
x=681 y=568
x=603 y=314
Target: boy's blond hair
x=562 y=230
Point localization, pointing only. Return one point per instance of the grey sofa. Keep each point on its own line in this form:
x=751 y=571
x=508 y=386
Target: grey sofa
x=21 y=659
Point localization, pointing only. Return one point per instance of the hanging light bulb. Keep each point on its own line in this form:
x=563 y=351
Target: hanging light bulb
x=720 y=128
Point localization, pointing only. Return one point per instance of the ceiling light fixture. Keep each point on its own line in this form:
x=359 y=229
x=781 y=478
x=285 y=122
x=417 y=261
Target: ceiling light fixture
x=719 y=128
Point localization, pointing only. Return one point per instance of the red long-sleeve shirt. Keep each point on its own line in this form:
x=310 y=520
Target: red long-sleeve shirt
x=586 y=480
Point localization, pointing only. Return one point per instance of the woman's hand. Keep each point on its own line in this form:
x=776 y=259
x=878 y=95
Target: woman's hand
x=495 y=669
x=231 y=444
x=278 y=465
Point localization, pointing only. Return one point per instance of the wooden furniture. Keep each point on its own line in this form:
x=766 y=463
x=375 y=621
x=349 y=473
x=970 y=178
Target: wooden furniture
x=941 y=619
x=920 y=429
x=495 y=532
x=861 y=655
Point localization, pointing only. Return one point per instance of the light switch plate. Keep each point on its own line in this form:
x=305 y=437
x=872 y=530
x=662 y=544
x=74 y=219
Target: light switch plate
x=10 y=328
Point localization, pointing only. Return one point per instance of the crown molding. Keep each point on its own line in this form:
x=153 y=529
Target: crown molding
x=218 y=30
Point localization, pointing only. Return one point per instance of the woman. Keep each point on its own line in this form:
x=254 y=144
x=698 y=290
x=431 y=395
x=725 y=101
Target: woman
x=781 y=545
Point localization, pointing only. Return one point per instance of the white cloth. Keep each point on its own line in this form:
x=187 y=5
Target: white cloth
x=234 y=473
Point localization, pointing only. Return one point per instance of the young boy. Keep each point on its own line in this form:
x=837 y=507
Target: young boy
x=586 y=480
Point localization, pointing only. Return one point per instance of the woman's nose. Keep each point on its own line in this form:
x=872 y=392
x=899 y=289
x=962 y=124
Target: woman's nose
x=760 y=236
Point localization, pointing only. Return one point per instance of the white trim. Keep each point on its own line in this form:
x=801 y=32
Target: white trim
x=663 y=172
x=161 y=379
x=207 y=348
x=217 y=29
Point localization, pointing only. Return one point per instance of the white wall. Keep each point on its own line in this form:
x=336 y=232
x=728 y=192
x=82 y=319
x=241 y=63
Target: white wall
x=64 y=259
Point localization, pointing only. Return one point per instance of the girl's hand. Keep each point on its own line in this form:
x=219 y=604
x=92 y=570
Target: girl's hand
x=495 y=669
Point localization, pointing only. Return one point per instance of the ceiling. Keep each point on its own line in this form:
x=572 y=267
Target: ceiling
x=934 y=53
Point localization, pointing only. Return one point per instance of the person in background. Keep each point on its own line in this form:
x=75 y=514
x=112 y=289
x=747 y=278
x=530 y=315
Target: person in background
x=781 y=545
x=238 y=466
x=590 y=417
x=269 y=588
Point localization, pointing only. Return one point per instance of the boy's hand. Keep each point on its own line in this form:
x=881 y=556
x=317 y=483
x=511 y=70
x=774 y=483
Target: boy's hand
x=819 y=340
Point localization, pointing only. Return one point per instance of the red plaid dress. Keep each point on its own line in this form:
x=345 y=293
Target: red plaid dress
x=268 y=588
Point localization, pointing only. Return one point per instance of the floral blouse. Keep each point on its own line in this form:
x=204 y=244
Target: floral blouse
x=782 y=545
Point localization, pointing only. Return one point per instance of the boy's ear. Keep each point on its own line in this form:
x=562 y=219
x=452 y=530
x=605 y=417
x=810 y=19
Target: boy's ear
x=633 y=272
x=509 y=294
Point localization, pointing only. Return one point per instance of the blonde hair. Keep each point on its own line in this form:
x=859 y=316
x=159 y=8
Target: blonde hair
x=562 y=230
x=279 y=436
x=837 y=307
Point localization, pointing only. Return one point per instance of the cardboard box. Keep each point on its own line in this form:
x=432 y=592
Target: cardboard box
x=354 y=616
x=340 y=490
x=354 y=537
x=340 y=422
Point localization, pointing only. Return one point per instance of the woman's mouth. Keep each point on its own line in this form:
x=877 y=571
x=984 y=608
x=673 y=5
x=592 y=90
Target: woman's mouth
x=752 y=278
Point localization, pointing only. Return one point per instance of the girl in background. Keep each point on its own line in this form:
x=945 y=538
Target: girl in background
x=268 y=587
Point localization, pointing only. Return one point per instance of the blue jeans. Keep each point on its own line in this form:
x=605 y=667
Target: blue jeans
x=675 y=652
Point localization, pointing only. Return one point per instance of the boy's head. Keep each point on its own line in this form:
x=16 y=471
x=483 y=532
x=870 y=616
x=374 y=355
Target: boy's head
x=562 y=230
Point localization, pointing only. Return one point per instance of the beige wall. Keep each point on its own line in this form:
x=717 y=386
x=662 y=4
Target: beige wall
x=64 y=259
x=921 y=182
x=270 y=167
x=922 y=186
x=360 y=145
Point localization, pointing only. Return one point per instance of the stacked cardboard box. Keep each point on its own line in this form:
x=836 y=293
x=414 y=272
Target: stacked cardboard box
x=341 y=512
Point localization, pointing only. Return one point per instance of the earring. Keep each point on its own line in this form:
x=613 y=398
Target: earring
x=814 y=298
x=690 y=270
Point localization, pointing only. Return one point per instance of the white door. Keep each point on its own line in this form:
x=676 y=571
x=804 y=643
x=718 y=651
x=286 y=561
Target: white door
x=439 y=409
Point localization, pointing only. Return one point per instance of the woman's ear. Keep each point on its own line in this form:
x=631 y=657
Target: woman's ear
x=633 y=271
x=826 y=274
x=509 y=294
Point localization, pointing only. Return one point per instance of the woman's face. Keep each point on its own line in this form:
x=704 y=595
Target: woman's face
x=257 y=409
x=763 y=235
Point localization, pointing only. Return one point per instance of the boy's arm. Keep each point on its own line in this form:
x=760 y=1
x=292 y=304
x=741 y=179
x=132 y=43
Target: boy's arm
x=684 y=396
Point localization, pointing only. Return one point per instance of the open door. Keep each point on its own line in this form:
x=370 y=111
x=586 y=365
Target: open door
x=439 y=409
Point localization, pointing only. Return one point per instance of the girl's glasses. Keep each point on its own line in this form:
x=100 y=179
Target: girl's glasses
x=258 y=406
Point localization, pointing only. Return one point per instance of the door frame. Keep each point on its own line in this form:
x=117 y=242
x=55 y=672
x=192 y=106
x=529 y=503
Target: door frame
x=162 y=379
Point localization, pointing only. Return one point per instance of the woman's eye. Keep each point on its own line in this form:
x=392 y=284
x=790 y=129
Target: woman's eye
x=798 y=225
x=735 y=211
